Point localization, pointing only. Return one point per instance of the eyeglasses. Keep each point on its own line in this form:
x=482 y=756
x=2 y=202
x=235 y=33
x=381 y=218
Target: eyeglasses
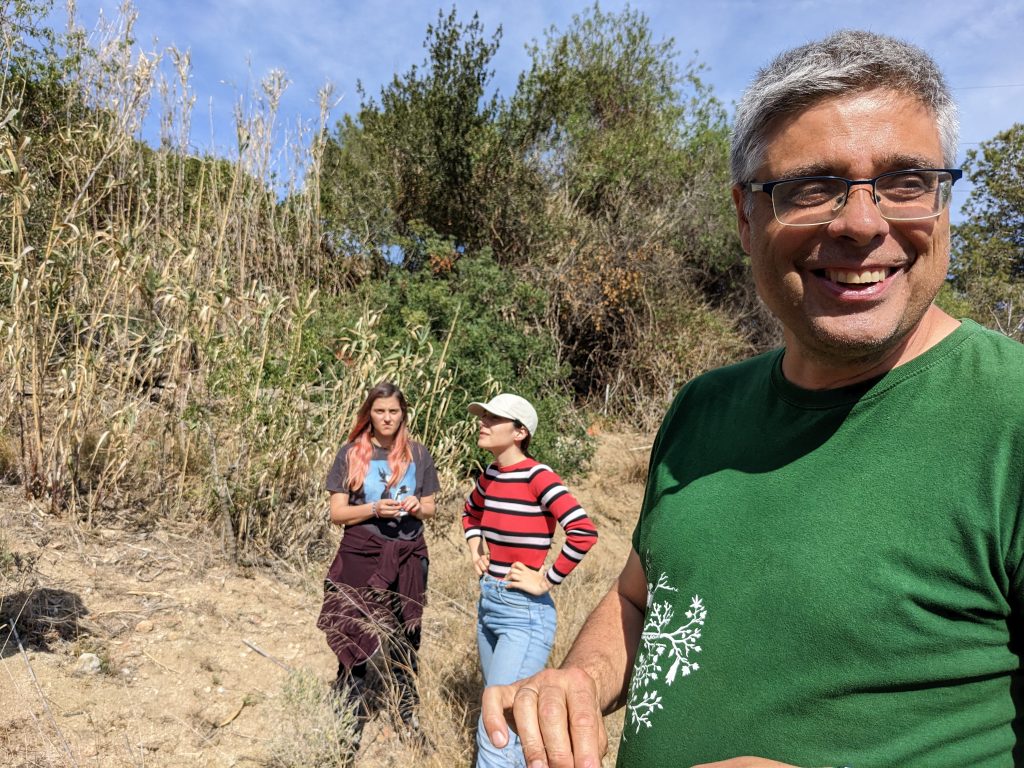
x=806 y=201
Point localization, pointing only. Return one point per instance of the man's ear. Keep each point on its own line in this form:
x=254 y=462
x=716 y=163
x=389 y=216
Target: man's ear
x=738 y=200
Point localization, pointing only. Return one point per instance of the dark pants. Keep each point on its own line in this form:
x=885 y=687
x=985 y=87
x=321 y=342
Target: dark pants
x=393 y=679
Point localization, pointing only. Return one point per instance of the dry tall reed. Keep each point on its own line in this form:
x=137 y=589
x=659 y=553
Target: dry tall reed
x=157 y=308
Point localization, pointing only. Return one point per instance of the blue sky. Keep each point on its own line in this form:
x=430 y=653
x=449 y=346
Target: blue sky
x=235 y=43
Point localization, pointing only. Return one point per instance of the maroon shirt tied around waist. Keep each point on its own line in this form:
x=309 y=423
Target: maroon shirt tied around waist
x=376 y=586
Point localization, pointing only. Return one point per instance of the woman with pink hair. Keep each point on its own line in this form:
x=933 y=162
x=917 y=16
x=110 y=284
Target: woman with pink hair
x=382 y=485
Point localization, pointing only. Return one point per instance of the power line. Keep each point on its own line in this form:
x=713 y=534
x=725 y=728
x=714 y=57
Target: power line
x=983 y=87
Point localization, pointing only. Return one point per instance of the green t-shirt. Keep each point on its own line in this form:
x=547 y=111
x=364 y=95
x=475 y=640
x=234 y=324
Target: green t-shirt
x=835 y=577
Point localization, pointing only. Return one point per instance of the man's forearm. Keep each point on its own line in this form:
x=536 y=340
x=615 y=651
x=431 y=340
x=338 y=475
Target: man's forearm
x=606 y=646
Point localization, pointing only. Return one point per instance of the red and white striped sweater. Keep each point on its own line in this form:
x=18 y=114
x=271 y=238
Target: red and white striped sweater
x=515 y=508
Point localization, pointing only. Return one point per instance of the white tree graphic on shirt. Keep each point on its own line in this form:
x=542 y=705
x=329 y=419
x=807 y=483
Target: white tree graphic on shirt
x=665 y=652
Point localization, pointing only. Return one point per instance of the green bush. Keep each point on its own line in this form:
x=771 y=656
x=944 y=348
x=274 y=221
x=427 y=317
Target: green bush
x=491 y=326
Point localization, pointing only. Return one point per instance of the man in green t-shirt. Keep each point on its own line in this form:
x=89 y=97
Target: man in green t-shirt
x=828 y=568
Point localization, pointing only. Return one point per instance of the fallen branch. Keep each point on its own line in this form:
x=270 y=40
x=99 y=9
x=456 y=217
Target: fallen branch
x=160 y=664
x=232 y=717
x=266 y=655
x=42 y=696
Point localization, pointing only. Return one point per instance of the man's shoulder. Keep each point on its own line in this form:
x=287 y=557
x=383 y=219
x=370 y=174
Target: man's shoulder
x=992 y=365
x=727 y=385
x=994 y=355
x=1002 y=346
x=752 y=371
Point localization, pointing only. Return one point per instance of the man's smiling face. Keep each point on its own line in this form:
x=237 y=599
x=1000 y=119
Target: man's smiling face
x=853 y=289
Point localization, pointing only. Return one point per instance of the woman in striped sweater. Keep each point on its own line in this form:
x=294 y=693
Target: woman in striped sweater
x=509 y=520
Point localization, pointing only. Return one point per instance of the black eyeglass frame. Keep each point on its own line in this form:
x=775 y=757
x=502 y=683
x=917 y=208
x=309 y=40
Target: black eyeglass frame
x=767 y=186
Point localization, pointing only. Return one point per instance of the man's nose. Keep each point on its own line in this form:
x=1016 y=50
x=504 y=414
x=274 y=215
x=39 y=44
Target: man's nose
x=860 y=219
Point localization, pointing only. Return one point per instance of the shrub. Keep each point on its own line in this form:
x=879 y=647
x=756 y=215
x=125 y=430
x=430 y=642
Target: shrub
x=491 y=328
x=314 y=732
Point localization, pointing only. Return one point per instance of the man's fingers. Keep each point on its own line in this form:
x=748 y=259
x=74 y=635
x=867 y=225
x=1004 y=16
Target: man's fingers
x=495 y=701
x=586 y=727
x=525 y=711
x=556 y=714
x=556 y=747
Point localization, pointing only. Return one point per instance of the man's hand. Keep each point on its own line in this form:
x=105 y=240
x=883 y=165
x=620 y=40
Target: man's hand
x=557 y=715
x=524 y=578
x=745 y=762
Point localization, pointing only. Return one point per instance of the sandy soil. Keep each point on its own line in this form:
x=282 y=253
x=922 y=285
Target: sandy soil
x=169 y=620
x=194 y=652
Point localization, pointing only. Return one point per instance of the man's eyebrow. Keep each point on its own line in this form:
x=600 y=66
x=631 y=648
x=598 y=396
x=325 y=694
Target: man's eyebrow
x=894 y=162
x=902 y=161
x=813 y=169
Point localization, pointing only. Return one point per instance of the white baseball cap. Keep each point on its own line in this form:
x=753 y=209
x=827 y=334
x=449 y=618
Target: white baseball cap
x=508 y=407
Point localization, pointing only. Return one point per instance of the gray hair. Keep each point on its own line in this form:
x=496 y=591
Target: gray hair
x=849 y=61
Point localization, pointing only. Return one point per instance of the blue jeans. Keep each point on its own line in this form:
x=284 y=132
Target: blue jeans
x=514 y=632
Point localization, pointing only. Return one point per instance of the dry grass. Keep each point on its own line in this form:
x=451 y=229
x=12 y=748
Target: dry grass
x=178 y=576
x=313 y=734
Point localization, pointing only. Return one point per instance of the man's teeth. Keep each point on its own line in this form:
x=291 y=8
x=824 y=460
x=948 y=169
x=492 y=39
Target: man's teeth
x=856 y=278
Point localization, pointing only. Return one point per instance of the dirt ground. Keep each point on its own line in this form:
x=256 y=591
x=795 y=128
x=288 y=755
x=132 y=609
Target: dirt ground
x=193 y=652
x=169 y=620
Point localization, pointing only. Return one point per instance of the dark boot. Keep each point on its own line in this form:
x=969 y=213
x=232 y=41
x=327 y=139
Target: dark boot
x=409 y=729
x=354 y=697
x=412 y=735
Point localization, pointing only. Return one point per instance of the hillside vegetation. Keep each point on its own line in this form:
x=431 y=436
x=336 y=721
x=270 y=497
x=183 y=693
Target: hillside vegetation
x=188 y=336
x=206 y=663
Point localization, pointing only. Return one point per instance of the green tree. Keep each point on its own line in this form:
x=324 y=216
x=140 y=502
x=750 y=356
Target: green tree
x=988 y=248
x=603 y=183
x=36 y=106
x=491 y=325
x=641 y=253
x=413 y=156
x=429 y=171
